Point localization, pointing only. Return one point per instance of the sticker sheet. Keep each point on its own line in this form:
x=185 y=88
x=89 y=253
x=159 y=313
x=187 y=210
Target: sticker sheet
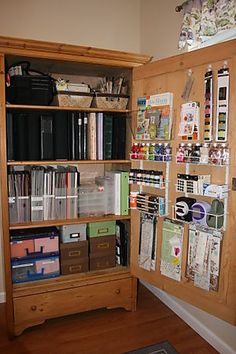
x=189 y=122
x=171 y=249
x=208 y=108
x=204 y=257
x=222 y=105
x=147 y=242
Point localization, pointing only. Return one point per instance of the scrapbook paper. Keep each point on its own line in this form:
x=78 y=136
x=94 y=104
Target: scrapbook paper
x=147 y=245
x=171 y=249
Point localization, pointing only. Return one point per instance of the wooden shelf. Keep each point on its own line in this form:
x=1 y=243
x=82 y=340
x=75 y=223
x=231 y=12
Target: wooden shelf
x=68 y=281
x=57 y=108
x=81 y=220
x=65 y=162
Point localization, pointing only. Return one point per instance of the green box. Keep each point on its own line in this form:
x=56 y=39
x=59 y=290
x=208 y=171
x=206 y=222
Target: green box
x=101 y=228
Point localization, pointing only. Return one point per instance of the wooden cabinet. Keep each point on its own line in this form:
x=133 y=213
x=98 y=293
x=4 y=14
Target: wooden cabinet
x=31 y=303
x=34 y=302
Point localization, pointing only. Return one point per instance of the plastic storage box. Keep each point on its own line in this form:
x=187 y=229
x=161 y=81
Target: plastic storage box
x=35 y=269
x=96 y=199
x=33 y=243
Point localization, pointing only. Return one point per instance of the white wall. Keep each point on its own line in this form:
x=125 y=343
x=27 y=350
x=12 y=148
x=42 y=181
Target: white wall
x=160 y=27
x=113 y=24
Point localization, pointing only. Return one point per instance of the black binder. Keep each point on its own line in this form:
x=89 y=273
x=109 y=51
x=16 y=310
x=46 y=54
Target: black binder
x=33 y=136
x=72 y=135
x=60 y=136
x=78 y=137
x=46 y=129
x=107 y=136
x=119 y=137
x=20 y=134
x=10 y=149
x=84 y=136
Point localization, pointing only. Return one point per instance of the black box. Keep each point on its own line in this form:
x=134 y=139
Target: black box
x=30 y=89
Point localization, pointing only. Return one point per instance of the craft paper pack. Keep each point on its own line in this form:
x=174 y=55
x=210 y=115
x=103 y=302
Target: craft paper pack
x=171 y=249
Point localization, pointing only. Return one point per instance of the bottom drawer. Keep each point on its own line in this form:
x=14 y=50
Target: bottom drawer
x=34 y=309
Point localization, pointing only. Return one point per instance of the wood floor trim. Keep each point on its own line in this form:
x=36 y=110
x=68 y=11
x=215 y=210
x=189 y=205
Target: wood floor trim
x=198 y=326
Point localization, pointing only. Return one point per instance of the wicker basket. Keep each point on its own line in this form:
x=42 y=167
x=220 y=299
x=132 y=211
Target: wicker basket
x=110 y=101
x=74 y=99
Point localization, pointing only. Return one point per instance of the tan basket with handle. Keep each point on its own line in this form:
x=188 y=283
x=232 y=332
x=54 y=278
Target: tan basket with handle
x=111 y=101
x=74 y=99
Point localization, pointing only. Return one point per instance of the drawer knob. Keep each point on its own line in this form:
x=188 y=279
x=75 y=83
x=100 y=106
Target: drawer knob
x=33 y=308
x=117 y=291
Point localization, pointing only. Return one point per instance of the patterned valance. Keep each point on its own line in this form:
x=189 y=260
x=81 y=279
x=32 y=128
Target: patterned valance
x=205 y=18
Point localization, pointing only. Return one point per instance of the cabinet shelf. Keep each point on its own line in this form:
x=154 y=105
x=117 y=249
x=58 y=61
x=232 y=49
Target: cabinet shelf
x=65 y=162
x=81 y=220
x=60 y=108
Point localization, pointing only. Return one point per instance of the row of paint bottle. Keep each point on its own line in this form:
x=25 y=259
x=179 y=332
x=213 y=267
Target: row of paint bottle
x=151 y=151
x=147 y=178
x=216 y=154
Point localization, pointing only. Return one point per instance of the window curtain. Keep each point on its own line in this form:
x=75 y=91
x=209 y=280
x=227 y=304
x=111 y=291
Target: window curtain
x=203 y=19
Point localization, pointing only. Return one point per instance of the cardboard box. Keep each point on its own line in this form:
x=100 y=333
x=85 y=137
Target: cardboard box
x=103 y=262
x=73 y=233
x=74 y=250
x=77 y=265
x=102 y=228
x=105 y=245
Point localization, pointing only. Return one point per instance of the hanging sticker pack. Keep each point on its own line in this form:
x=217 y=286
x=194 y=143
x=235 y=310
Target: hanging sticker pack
x=204 y=256
x=189 y=123
x=222 y=105
x=147 y=242
x=171 y=249
x=208 y=108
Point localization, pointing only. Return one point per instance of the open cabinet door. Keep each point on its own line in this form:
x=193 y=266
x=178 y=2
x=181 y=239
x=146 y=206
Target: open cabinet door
x=171 y=76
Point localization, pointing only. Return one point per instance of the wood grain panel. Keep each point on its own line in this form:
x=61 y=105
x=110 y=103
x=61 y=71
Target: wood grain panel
x=170 y=75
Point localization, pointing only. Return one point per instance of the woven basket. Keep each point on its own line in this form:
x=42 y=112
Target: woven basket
x=74 y=99
x=109 y=101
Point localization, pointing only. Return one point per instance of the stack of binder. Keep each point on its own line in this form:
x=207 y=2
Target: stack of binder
x=65 y=136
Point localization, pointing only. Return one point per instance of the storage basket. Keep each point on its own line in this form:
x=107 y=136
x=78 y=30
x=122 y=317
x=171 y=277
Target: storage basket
x=110 y=101
x=74 y=99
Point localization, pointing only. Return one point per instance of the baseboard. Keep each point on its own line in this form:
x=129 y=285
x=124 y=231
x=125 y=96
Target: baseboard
x=2 y=297
x=197 y=325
